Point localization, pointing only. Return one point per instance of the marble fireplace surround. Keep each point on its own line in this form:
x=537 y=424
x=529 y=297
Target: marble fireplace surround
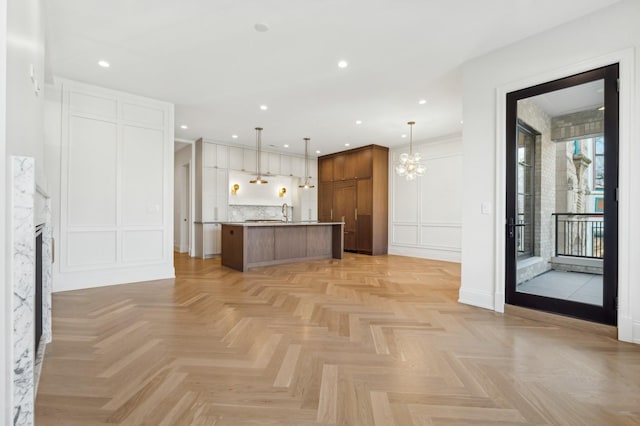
x=28 y=206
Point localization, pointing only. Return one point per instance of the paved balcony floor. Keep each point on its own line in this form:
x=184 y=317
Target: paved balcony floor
x=575 y=286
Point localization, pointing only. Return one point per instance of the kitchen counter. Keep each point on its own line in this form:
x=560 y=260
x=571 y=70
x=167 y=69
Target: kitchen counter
x=280 y=223
x=251 y=244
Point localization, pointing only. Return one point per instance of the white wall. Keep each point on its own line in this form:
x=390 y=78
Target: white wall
x=425 y=215
x=182 y=158
x=592 y=41
x=113 y=217
x=25 y=51
x=260 y=195
x=21 y=45
x=5 y=294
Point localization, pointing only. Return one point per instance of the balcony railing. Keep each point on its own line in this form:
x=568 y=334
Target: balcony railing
x=579 y=235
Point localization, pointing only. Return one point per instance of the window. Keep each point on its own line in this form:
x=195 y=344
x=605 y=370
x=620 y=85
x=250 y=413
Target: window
x=525 y=204
x=598 y=163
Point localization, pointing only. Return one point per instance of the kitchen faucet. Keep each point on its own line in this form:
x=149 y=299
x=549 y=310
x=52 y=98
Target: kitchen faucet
x=285 y=212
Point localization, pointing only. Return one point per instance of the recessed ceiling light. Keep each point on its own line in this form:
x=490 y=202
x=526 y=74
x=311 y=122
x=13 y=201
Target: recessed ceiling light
x=343 y=64
x=104 y=64
x=264 y=107
x=317 y=151
x=184 y=126
x=422 y=101
x=403 y=136
x=461 y=122
x=234 y=136
x=347 y=144
x=261 y=27
x=358 y=121
x=286 y=145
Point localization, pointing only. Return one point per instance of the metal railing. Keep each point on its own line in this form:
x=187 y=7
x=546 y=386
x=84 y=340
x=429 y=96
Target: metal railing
x=579 y=234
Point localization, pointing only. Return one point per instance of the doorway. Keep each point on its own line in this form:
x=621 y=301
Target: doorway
x=183 y=199
x=561 y=196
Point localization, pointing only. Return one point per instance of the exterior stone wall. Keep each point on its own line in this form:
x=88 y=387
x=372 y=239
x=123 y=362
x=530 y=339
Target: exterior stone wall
x=577 y=125
x=545 y=190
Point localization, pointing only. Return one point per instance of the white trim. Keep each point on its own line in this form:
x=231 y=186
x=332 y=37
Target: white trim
x=431 y=224
x=444 y=254
x=69 y=276
x=626 y=59
x=5 y=300
x=105 y=277
x=476 y=298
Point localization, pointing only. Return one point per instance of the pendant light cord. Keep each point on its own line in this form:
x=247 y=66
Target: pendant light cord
x=411 y=123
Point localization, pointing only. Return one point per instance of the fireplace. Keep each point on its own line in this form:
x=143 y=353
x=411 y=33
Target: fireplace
x=38 y=289
x=30 y=259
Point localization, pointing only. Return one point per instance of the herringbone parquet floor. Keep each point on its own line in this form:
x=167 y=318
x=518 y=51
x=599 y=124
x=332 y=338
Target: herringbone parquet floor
x=363 y=341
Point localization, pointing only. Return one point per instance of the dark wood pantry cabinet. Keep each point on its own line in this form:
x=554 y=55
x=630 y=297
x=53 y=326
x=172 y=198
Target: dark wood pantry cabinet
x=353 y=187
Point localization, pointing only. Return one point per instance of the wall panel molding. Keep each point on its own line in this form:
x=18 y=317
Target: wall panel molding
x=426 y=216
x=116 y=188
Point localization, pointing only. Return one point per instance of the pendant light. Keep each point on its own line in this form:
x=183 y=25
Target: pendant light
x=306 y=184
x=258 y=180
x=409 y=165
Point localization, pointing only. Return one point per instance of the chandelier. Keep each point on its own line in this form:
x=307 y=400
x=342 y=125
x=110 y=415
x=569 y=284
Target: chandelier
x=409 y=165
x=306 y=184
x=258 y=180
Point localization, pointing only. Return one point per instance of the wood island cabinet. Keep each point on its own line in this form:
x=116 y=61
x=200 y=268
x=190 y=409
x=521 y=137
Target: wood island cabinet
x=353 y=188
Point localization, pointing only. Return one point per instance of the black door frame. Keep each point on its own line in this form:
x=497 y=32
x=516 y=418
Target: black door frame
x=606 y=314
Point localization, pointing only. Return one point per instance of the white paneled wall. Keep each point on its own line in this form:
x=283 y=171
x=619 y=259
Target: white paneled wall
x=116 y=188
x=426 y=214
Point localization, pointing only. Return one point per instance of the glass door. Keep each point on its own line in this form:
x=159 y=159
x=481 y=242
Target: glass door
x=562 y=178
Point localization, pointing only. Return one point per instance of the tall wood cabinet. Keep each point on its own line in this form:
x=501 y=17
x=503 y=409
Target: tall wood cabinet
x=353 y=187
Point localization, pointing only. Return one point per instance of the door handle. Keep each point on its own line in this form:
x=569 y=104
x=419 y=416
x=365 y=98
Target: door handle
x=331 y=212
x=356 y=215
x=511 y=227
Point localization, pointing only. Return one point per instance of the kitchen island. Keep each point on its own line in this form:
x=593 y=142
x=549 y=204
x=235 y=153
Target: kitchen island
x=250 y=244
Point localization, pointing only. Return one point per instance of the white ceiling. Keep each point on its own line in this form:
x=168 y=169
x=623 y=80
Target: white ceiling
x=206 y=57
x=572 y=99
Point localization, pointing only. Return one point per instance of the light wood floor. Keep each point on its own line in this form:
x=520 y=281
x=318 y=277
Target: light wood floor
x=363 y=341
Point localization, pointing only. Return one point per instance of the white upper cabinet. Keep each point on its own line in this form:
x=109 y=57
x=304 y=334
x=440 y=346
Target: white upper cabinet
x=313 y=169
x=221 y=207
x=249 y=160
x=270 y=163
x=285 y=165
x=214 y=194
x=209 y=154
x=236 y=158
x=297 y=166
x=215 y=155
x=222 y=156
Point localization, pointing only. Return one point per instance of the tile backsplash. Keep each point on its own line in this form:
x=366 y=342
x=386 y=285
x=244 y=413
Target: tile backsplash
x=242 y=213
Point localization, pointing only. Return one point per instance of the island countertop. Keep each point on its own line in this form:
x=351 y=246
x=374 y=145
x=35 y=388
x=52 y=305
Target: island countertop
x=249 y=244
x=279 y=223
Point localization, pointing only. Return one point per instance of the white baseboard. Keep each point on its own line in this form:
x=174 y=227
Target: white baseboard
x=99 y=278
x=445 y=255
x=636 y=332
x=180 y=249
x=626 y=330
x=476 y=298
